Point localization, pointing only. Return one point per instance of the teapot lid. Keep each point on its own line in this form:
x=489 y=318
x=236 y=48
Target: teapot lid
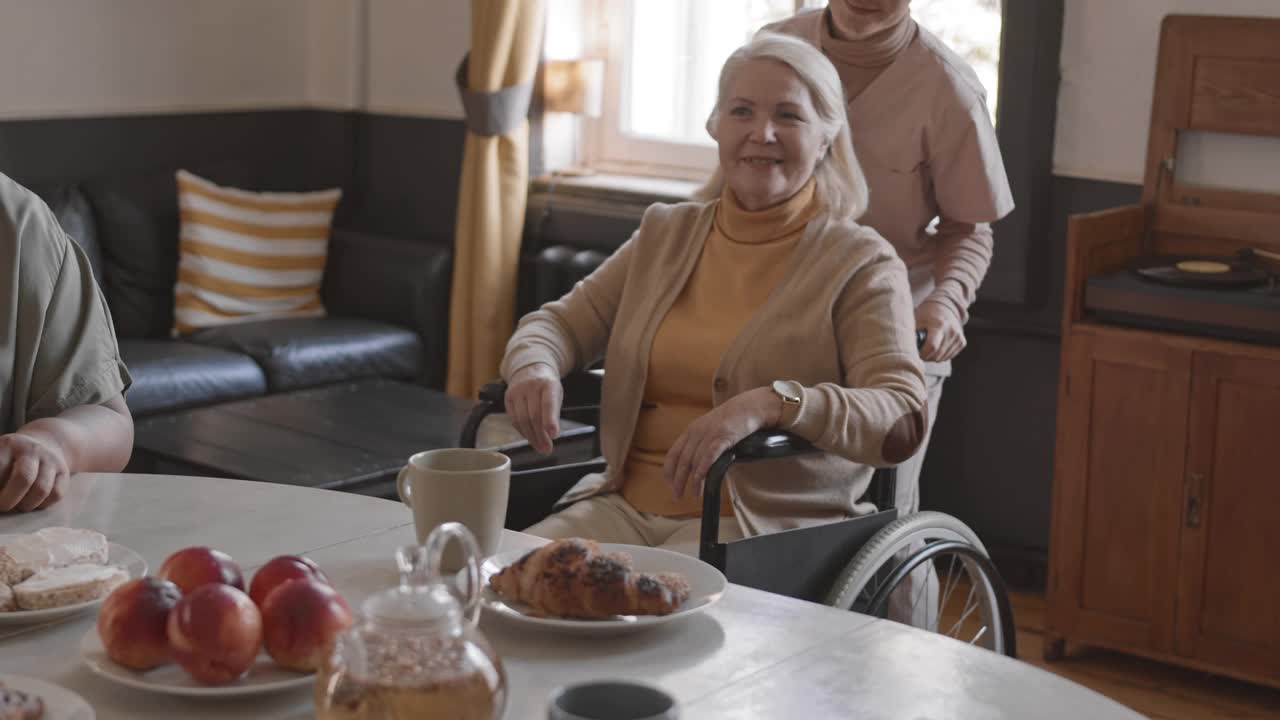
x=418 y=599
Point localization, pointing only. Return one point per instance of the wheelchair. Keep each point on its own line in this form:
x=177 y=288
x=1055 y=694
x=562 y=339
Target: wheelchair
x=855 y=564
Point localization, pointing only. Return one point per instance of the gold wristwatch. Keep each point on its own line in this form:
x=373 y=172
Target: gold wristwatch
x=790 y=392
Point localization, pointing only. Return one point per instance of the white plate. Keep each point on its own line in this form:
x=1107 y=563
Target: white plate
x=263 y=677
x=59 y=702
x=116 y=555
x=706 y=585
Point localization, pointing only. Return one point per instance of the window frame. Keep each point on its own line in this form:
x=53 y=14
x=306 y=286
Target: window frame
x=605 y=147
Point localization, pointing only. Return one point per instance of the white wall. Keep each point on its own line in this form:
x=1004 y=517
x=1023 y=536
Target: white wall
x=414 y=48
x=103 y=57
x=78 y=57
x=1108 y=70
x=334 y=54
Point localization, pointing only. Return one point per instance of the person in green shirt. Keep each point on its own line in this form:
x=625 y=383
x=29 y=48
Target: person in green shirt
x=62 y=381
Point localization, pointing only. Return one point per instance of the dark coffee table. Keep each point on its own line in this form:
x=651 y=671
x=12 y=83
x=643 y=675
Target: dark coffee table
x=349 y=436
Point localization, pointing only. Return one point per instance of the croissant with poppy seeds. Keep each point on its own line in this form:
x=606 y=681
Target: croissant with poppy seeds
x=573 y=579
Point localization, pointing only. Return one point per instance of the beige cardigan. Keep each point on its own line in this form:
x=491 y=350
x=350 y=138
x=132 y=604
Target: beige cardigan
x=840 y=323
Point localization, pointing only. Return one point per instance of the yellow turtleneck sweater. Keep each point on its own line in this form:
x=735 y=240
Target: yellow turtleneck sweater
x=745 y=256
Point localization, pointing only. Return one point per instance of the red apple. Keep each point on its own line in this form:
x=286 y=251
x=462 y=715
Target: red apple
x=280 y=570
x=192 y=567
x=215 y=633
x=300 y=621
x=133 y=622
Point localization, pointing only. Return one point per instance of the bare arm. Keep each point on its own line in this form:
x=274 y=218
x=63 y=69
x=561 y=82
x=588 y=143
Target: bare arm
x=93 y=438
x=36 y=461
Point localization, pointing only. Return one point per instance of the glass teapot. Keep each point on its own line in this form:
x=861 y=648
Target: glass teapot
x=416 y=652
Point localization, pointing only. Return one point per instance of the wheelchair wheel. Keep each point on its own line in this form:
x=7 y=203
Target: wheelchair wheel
x=973 y=603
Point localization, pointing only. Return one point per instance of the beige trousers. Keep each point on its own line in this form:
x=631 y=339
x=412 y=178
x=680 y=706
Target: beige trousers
x=609 y=518
x=915 y=602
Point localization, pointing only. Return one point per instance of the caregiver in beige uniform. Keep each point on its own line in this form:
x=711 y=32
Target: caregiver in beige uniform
x=62 y=407
x=919 y=122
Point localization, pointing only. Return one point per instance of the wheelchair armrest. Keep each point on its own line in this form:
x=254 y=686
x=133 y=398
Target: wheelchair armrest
x=767 y=444
x=494 y=393
x=581 y=394
x=581 y=390
x=760 y=445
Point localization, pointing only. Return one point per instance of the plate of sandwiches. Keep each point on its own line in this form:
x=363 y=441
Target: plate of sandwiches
x=31 y=699
x=582 y=587
x=60 y=571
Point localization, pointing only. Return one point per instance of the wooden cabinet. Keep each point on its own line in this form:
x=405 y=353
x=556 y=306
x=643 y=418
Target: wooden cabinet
x=1123 y=425
x=1229 y=589
x=1166 y=501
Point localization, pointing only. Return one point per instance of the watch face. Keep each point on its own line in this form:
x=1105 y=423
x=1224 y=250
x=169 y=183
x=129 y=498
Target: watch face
x=785 y=391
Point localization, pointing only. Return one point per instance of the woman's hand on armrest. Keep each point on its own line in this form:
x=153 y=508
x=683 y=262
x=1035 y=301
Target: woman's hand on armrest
x=36 y=461
x=707 y=438
x=534 y=397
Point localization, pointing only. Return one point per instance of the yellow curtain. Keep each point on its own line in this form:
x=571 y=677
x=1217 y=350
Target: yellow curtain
x=505 y=41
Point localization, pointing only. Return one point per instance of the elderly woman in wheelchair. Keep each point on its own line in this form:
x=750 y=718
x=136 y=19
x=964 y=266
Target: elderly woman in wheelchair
x=765 y=307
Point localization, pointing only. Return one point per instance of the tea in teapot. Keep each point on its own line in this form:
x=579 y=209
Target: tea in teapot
x=416 y=653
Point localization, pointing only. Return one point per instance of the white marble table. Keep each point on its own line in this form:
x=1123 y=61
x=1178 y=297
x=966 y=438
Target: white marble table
x=753 y=655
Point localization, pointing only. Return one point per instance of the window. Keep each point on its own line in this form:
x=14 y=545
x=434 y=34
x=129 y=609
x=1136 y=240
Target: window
x=663 y=59
x=972 y=29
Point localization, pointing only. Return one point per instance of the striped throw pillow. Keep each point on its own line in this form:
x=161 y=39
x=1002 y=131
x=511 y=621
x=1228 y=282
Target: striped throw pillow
x=247 y=255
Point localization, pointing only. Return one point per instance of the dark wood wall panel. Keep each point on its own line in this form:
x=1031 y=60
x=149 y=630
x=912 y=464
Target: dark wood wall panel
x=400 y=174
x=306 y=148
x=406 y=174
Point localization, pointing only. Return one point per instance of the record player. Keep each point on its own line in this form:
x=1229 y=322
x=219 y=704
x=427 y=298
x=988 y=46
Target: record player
x=1231 y=297
x=1190 y=259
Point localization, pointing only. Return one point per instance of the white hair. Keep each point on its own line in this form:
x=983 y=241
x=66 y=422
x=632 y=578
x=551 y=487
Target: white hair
x=841 y=186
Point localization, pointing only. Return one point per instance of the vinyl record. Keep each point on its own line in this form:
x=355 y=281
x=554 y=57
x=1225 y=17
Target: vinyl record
x=1201 y=272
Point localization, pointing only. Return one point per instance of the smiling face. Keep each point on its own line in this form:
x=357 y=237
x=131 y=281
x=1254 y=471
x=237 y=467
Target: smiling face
x=859 y=19
x=769 y=134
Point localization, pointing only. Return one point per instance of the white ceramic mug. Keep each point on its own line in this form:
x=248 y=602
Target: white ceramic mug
x=458 y=485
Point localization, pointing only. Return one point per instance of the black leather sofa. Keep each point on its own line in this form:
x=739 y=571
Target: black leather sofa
x=387 y=301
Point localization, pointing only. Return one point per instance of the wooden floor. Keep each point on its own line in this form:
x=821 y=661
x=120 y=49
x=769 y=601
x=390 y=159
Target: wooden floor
x=1154 y=689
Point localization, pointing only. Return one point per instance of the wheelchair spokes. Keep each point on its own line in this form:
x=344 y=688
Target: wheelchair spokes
x=963 y=627
x=930 y=571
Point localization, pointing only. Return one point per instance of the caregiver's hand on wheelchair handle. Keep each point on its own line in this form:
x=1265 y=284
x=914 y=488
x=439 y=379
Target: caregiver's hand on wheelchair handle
x=533 y=400
x=707 y=438
x=944 y=338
